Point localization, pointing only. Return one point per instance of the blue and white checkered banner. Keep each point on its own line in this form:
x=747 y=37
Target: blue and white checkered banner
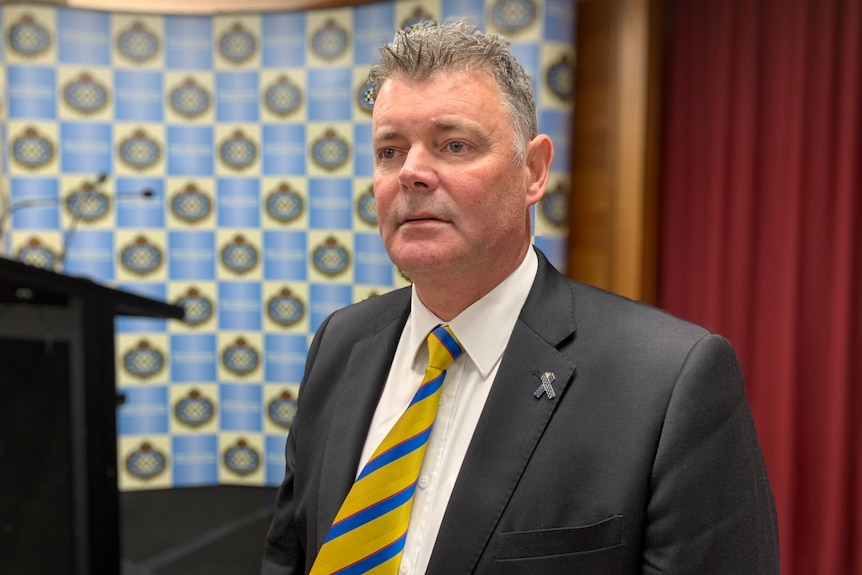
x=223 y=163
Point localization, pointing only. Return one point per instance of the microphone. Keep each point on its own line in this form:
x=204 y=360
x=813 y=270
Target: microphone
x=12 y=207
x=76 y=214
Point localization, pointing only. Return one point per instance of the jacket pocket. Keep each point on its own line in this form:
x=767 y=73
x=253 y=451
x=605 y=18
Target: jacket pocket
x=564 y=540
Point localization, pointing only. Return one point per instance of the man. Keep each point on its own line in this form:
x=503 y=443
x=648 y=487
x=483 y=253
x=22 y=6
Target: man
x=578 y=432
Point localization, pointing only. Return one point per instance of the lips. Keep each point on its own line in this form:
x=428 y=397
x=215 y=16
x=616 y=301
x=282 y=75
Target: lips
x=413 y=218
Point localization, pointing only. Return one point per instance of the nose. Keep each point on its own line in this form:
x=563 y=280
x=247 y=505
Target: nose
x=418 y=172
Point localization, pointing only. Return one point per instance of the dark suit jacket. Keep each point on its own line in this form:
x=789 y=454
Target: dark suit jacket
x=646 y=461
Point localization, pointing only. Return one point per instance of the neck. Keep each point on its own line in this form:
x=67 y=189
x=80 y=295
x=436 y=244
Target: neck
x=447 y=295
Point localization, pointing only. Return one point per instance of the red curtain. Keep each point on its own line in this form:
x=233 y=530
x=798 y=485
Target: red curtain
x=762 y=240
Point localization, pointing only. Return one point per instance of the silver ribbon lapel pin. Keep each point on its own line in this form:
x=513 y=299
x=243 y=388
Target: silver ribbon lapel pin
x=545 y=388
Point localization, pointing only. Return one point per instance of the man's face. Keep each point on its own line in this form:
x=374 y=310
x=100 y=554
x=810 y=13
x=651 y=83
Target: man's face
x=450 y=197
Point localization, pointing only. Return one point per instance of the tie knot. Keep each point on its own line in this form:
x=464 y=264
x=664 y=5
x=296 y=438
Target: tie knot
x=443 y=347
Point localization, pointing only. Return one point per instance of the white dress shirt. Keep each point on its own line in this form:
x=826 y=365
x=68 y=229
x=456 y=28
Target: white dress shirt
x=483 y=329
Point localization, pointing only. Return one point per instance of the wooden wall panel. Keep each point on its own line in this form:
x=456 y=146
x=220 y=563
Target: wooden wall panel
x=612 y=214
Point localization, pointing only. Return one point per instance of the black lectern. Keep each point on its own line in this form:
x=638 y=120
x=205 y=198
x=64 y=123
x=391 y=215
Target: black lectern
x=59 y=501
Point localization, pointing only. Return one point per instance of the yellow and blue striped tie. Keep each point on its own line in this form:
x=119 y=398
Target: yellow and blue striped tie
x=369 y=532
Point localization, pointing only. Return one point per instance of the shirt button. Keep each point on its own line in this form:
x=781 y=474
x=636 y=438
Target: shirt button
x=423 y=482
x=405 y=566
x=442 y=400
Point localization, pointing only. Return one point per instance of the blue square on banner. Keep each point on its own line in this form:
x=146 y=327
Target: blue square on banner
x=560 y=21
x=284 y=149
x=239 y=306
x=192 y=255
x=144 y=411
x=83 y=37
x=529 y=57
x=90 y=253
x=363 y=151
x=32 y=92
x=132 y=324
x=557 y=125
x=193 y=357
x=239 y=202
x=237 y=98
x=189 y=42
x=195 y=460
x=325 y=299
x=473 y=10
x=285 y=357
x=274 y=470
x=330 y=203
x=35 y=204
x=330 y=94
x=373 y=25
x=285 y=255
x=191 y=150
x=283 y=44
x=86 y=147
x=241 y=407
x=139 y=203
x=372 y=264
x=555 y=248
x=138 y=96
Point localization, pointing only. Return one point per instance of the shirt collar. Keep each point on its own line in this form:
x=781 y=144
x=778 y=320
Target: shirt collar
x=483 y=328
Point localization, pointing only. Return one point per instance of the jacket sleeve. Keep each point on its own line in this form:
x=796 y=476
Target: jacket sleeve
x=711 y=509
x=284 y=546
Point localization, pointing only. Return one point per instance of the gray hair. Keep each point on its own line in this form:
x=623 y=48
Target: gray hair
x=419 y=52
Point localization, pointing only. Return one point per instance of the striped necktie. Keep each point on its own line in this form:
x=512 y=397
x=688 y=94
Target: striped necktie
x=369 y=532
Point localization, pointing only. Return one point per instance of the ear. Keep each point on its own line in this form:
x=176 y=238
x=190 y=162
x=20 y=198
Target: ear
x=538 y=158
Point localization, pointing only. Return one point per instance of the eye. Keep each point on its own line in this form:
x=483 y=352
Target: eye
x=457 y=146
x=386 y=153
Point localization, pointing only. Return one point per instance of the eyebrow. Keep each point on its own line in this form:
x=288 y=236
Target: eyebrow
x=472 y=130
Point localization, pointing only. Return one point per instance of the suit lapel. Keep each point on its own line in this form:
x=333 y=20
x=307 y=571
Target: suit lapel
x=493 y=466
x=366 y=373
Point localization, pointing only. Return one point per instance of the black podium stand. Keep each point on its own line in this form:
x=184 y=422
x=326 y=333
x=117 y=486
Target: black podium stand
x=59 y=501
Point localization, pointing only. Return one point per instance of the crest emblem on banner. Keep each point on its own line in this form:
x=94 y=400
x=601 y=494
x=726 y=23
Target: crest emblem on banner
x=28 y=37
x=146 y=462
x=88 y=203
x=555 y=205
x=365 y=97
x=139 y=151
x=241 y=458
x=560 y=78
x=194 y=409
x=330 y=151
x=239 y=256
x=330 y=257
x=35 y=254
x=282 y=409
x=144 y=360
x=85 y=95
x=282 y=97
x=189 y=99
x=198 y=308
x=141 y=257
x=137 y=43
x=366 y=207
x=237 y=44
x=240 y=358
x=284 y=308
x=284 y=203
x=191 y=205
x=513 y=15
x=238 y=151
x=31 y=149
x=418 y=16
x=330 y=41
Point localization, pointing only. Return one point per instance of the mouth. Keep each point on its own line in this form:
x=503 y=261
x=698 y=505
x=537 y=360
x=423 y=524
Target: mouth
x=421 y=218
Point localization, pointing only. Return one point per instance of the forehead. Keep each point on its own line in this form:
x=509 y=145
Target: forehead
x=449 y=93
